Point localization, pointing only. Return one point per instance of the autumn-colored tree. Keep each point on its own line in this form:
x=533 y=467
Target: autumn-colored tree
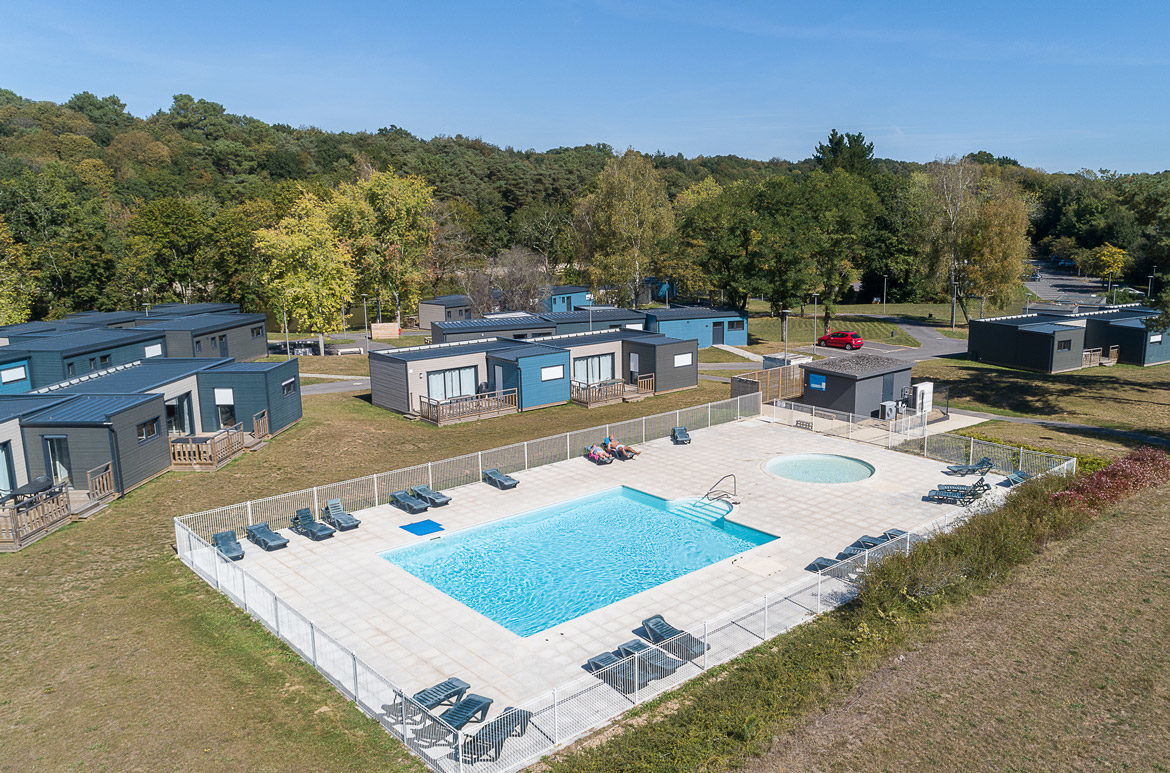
x=1105 y=261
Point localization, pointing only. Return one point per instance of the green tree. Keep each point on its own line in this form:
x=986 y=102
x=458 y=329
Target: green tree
x=845 y=151
x=310 y=275
x=167 y=245
x=238 y=266
x=16 y=279
x=1105 y=261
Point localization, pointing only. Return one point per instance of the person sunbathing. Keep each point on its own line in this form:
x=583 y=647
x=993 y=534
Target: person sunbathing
x=597 y=454
x=619 y=450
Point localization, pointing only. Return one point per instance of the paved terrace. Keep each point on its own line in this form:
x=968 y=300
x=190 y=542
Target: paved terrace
x=415 y=635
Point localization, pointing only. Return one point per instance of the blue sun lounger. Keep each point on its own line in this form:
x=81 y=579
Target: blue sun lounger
x=448 y=692
x=893 y=533
x=657 y=662
x=1017 y=477
x=404 y=500
x=489 y=740
x=679 y=436
x=473 y=708
x=430 y=496
x=981 y=467
x=676 y=642
x=498 y=479
x=821 y=564
x=266 y=538
x=335 y=516
x=226 y=543
x=622 y=675
x=868 y=542
x=307 y=526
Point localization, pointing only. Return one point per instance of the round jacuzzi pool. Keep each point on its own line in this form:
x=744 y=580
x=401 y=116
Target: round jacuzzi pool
x=819 y=468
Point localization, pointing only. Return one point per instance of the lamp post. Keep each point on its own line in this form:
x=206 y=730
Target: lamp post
x=884 y=282
x=815 y=296
x=1150 y=290
x=366 y=321
x=1110 y=288
x=954 y=301
x=784 y=323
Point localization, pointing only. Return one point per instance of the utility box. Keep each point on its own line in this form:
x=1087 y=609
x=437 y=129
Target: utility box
x=889 y=410
x=923 y=397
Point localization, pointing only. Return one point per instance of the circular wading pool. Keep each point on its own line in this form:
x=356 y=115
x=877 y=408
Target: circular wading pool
x=819 y=468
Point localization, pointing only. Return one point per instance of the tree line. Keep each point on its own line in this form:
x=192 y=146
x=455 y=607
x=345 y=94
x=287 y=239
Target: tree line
x=100 y=209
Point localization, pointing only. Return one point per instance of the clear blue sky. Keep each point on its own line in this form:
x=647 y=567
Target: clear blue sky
x=1058 y=85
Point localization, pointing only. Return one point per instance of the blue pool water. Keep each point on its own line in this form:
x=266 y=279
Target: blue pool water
x=535 y=570
x=820 y=468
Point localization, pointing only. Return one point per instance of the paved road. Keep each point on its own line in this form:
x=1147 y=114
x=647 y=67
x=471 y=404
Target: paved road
x=934 y=343
x=342 y=384
x=1064 y=286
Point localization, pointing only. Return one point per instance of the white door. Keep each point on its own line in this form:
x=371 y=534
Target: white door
x=633 y=367
x=499 y=382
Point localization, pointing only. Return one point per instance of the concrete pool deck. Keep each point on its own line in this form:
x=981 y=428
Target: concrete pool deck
x=416 y=635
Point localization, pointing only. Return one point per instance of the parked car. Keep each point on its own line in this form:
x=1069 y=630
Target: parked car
x=842 y=339
x=1032 y=277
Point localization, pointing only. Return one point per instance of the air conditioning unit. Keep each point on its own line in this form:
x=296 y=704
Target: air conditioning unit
x=889 y=410
x=923 y=397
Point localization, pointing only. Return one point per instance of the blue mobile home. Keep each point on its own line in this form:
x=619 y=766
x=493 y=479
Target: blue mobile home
x=14 y=371
x=540 y=374
x=567 y=298
x=705 y=325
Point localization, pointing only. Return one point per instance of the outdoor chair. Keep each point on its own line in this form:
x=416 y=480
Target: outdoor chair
x=447 y=692
x=489 y=740
x=404 y=500
x=893 y=533
x=457 y=717
x=336 y=517
x=1017 y=477
x=679 y=436
x=622 y=675
x=981 y=467
x=962 y=495
x=655 y=660
x=498 y=479
x=677 y=643
x=868 y=542
x=430 y=496
x=821 y=564
x=266 y=538
x=849 y=552
x=226 y=543
x=307 y=526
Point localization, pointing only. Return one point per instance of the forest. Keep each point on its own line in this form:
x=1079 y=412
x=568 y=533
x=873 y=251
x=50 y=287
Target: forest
x=100 y=209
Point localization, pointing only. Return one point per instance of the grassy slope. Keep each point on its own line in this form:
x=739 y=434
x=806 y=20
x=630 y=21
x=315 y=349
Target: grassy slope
x=1077 y=679
x=341 y=364
x=113 y=655
x=711 y=354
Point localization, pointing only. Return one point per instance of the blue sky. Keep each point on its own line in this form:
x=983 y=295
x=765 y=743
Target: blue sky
x=1059 y=86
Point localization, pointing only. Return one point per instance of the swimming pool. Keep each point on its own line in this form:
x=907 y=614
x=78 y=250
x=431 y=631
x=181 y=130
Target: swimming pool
x=538 y=569
x=820 y=468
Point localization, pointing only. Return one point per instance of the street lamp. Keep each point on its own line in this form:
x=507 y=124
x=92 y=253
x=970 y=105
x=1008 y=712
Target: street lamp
x=884 y=278
x=954 y=300
x=366 y=322
x=784 y=323
x=815 y=295
x=1150 y=290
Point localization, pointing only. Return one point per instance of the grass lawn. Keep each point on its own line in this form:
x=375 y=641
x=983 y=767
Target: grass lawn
x=406 y=340
x=340 y=364
x=958 y=332
x=711 y=354
x=1076 y=679
x=1123 y=396
x=115 y=656
x=764 y=333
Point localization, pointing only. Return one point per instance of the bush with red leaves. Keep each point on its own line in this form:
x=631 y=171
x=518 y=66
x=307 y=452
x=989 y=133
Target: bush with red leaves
x=1140 y=469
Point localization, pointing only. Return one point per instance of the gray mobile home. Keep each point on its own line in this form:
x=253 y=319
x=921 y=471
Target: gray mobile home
x=598 y=318
x=116 y=319
x=856 y=383
x=13 y=462
x=237 y=392
x=443 y=308
x=520 y=325
x=399 y=378
x=241 y=336
x=190 y=309
x=55 y=358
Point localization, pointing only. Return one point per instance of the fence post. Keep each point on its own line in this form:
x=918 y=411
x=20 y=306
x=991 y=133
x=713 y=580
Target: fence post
x=907 y=535
x=249 y=509
x=402 y=715
x=353 y=658
x=316 y=510
x=459 y=748
x=636 y=679
x=526 y=454
x=643 y=430
x=313 y=641
x=215 y=564
x=479 y=456
x=891 y=440
x=276 y=614
x=375 y=477
x=678 y=418
x=708 y=414
x=556 y=719
x=244 y=589
x=568 y=451
x=706 y=645
x=971 y=451
x=819 y=576
x=765 y=616
x=430 y=476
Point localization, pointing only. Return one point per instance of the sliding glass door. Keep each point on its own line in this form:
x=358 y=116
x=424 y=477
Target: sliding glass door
x=57 y=462
x=454 y=382
x=592 y=369
x=7 y=469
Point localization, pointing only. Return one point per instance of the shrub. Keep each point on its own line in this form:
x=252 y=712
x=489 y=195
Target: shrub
x=1138 y=470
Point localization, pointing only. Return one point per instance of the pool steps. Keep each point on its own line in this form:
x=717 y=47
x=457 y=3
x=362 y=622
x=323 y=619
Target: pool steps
x=703 y=511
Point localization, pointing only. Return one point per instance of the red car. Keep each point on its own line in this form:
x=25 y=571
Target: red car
x=844 y=339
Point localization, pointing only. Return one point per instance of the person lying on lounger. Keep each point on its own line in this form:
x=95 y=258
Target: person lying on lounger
x=619 y=450
x=597 y=454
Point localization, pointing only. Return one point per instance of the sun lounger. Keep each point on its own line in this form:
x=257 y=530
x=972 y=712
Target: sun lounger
x=679 y=436
x=430 y=496
x=622 y=675
x=307 y=526
x=821 y=564
x=849 y=552
x=226 y=543
x=959 y=494
x=597 y=455
x=498 y=479
x=1017 y=477
x=473 y=708
x=447 y=692
x=681 y=645
x=655 y=660
x=489 y=740
x=266 y=538
x=404 y=500
x=335 y=516
x=868 y=542
x=981 y=467
x=893 y=533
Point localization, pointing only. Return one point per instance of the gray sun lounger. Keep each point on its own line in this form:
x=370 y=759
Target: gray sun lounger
x=893 y=533
x=498 y=479
x=404 y=500
x=430 y=496
x=655 y=660
x=226 y=543
x=1017 y=477
x=981 y=467
x=307 y=526
x=821 y=564
x=488 y=741
x=679 y=436
x=473 y=708
x=622 y=675
x=448 y=692
x=335 y=516
x=266 y=538
x=676 y=642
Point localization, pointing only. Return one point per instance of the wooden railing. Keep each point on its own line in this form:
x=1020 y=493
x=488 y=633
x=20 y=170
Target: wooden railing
x=646 y=384
x=781 y=383
x=468 y=407
x=23 y=522
x=600 y=393
x=260 y=425
x=207 y=452
x=101 y=482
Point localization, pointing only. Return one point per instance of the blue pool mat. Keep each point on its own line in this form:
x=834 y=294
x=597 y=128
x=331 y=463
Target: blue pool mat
x=419 y=528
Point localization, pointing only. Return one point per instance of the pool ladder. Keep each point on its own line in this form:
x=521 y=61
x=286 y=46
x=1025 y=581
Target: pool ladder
x=715 y=493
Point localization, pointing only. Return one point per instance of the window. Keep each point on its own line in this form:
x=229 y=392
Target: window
x=455 y=382
x=198 y=346
x=224 y=396
x=735 y=324
x=593 y=369
x=1156 y=339
x=212 y=340
x=1064 y=346
x=154 y=350
x=93 y=363
x=69 y=371
x=258 y=331
x=104 y=360
x=148 y=430
x=288 y=387
x=683 y=360
x=552 y=373
x=8 y=375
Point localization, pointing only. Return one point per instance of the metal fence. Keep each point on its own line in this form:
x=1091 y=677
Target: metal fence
x=372 y=490
x=525 y=733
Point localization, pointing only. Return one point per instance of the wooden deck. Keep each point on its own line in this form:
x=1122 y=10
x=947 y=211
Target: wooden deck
x=469 y=408
x=611 y=391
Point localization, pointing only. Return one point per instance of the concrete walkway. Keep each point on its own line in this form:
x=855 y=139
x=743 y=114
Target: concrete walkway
x=741 y=352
